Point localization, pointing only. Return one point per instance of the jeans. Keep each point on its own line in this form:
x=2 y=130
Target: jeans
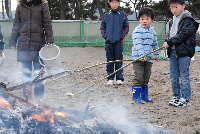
x=27 y=76
x=142 y=73
x=179 y=68
x=114 y=52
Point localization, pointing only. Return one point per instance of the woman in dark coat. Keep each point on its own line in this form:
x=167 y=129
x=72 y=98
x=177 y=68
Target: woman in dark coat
x=32 y=28
x=1 y=47
x=1 y=41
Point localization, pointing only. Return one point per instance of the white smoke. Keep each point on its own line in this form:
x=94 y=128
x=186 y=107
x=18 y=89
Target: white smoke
x=119 y=117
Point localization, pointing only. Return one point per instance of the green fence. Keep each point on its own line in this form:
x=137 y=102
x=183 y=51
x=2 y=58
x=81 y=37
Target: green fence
x=87 y=33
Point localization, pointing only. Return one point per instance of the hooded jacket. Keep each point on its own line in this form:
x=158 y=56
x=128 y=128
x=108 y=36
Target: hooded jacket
x=184 y=40
x=144 y=41
x=114 y=26
x=32 y=28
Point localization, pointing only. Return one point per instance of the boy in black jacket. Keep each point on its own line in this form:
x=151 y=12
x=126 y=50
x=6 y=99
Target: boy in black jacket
x=114 y=27
x=181 y=47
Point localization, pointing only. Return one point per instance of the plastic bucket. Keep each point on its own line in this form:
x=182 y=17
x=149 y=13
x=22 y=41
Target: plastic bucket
x=50 y=55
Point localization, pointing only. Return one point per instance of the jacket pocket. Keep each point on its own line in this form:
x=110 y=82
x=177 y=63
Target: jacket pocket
x=22 y=44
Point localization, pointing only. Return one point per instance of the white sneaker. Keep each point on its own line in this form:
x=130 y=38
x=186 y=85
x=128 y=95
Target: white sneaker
x=183 y=103
x=174 y=101
x=119 y=82
x=110 y=82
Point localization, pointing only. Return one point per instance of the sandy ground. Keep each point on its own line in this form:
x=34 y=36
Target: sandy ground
x=113 y=104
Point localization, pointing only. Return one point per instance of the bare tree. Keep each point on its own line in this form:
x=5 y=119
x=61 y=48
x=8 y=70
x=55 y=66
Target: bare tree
x=135 y=5
x=100 y=8
x=106 y=6
x=63 y=11
x=92 y=10
x=8 y=9
x=74 y=6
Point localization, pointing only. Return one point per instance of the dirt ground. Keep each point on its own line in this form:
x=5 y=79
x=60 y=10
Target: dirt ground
x=113 y=104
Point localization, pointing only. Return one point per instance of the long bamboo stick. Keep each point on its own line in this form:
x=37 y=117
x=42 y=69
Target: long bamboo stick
x=72 y=95
x=55 y=79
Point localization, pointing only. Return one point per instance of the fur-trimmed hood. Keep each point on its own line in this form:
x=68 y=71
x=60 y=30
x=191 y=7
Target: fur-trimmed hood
x=35 y=2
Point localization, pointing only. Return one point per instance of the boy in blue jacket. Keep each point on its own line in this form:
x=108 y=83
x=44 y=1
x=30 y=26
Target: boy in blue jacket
x=144 y=41
x=181 y=47
x=114 y=27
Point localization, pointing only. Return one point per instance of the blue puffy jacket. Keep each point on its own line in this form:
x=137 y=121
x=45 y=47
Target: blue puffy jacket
x=114 y=26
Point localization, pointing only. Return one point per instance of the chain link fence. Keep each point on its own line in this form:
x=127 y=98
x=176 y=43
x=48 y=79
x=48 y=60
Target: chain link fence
x=87 y=33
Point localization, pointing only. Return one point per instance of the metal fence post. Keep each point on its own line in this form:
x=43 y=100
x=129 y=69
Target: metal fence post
x=83 y=36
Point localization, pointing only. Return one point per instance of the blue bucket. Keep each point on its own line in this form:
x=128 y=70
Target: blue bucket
x=197 y=48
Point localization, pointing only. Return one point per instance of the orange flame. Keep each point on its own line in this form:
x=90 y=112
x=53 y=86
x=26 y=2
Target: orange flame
x=49 y=115
x=4 y=103
x=60 y=114
x=39 y=117
x=95 y=121
x=30 y=93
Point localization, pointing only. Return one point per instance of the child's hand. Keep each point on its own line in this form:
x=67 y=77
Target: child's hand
x=165 y=45
x=156 y=58
x=143 y=59
x=12 y=47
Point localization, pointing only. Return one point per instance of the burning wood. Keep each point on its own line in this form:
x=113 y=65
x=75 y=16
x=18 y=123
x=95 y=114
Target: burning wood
x=3 y=85
x=37 y=119
x=45 y=82
x=26 y=116
x=105 y=128
x=38 y=79
x=4 y=103
x=95 y=122
x=86 y=110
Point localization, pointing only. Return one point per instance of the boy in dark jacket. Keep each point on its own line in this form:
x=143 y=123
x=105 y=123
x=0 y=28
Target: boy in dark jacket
x=114 y=27
x=181 y=47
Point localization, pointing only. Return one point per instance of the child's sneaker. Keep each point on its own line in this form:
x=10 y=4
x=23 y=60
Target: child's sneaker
x=119 y=82
x=183 y=103
x=174 y=101
x=110 y=82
